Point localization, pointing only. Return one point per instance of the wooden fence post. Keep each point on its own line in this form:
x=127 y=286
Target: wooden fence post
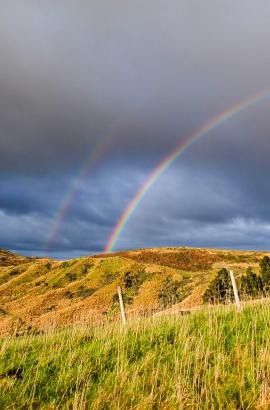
x=235 y=290
x=122 y=307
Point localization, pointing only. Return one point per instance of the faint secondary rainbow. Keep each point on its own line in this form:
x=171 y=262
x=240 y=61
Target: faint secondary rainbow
x=84 y=169
x=169 y=159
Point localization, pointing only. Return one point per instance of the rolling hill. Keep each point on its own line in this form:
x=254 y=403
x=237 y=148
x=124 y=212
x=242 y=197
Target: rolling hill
x=38 y=294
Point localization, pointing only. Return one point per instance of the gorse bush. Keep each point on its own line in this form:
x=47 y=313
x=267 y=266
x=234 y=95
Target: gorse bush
x=170 y=292
x=220 y=289
x=85 y=268
x=83 y=292
x=134 y=279
x=71 y=276
x=265 y=272
x=109 y=278
x=251 y=285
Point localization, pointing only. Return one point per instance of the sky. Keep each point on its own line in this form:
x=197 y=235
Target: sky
x=95 y=94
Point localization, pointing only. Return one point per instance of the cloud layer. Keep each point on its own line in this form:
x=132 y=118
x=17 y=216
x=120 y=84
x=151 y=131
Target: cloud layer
x=74 y=73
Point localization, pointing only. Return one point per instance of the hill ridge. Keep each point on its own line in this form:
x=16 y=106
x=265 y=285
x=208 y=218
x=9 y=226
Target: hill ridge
x=37 y=293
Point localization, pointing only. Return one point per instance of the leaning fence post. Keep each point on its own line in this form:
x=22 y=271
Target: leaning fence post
x=122 y=307
x=235 y=291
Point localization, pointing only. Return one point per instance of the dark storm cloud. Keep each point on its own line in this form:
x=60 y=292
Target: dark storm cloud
x=153 y=72
x=71 y=71
x=30 y=208
x=199 y=209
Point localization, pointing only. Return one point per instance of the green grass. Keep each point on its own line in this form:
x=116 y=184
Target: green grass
x=213 y=359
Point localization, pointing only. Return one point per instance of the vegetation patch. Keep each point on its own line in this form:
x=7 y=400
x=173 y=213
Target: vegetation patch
x=108 y=278
x=3 y=312
x=70 y=276
x=84 y=292
x=251 y=285
x=220 y=289
x=171 y=292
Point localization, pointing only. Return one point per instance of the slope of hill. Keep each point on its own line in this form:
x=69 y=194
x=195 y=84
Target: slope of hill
x=37 y=294
x=8 y=258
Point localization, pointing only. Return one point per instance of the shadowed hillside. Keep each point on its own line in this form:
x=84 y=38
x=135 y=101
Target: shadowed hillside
x=37 y=294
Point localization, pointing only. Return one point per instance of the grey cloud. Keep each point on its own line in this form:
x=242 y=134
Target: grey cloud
x=153 y=72
x=188 y=203
x=71 y=71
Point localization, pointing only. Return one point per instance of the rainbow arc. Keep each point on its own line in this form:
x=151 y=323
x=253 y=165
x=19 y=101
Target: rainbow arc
x=87 y=165
x=215 y=122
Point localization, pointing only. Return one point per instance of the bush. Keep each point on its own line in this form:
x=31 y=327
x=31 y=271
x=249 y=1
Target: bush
x=251 y=284
x=15 y=273
x=85 y=268
x=83 y=292
x=2 y=311
x=133 y=280
x=220 y=289
x=265 y=272
x=64 y=265
x=170 y=293
x=70 y=276
x=108 y=278
x=68 y=295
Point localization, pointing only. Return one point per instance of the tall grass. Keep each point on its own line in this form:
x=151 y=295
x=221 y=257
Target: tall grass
x=213 y=359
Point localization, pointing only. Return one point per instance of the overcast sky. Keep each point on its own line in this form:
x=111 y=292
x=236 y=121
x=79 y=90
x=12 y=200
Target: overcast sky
x=117 y=85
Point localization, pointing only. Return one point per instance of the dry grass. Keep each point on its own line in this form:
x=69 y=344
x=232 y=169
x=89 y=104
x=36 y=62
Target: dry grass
x=36 y=293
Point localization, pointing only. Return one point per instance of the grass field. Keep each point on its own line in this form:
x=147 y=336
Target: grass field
x=213 y=359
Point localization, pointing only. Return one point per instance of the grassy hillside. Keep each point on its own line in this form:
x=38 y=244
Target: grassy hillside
x=8 y=258
x=217 y=359
x=39 y=294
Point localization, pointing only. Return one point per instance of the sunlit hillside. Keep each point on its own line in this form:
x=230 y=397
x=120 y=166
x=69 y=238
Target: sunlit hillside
x=39 y=294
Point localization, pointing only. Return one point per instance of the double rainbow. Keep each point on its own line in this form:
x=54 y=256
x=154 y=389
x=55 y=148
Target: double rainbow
x=169 y=159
